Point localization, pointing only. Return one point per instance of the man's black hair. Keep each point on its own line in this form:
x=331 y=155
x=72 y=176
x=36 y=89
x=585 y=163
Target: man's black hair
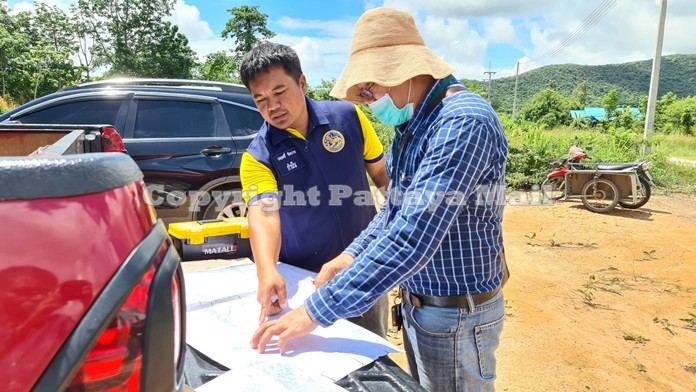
x=266 y=56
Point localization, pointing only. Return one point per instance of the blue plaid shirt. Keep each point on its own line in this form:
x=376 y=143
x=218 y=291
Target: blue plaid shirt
x=439 y=233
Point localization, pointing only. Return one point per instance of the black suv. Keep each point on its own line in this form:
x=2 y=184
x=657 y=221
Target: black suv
x=187 y=136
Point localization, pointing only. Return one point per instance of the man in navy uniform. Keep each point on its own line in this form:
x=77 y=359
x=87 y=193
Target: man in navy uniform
x=304 y=177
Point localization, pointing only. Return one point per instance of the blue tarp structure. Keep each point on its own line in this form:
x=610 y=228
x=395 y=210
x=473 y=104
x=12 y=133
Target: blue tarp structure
x=599 y=113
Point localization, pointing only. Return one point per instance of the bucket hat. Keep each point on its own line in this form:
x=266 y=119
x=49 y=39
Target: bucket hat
x=388 y=50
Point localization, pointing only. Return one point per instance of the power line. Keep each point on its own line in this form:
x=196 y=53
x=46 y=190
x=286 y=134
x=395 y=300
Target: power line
x=589 y=22
x=597 y=14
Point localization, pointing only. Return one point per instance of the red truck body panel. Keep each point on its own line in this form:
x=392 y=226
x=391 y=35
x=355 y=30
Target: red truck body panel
x=44 y=302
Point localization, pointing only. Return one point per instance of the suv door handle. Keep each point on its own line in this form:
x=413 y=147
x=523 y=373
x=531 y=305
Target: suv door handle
x=216 y=151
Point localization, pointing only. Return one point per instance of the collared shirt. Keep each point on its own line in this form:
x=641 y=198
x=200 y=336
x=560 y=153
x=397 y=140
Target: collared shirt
x=440 y=231
x=320 y=180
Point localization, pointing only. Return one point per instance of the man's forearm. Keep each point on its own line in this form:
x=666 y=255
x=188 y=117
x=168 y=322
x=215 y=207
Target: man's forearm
x=265 y=237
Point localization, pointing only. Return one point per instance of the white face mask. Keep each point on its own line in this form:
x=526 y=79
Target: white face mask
x=388 y=114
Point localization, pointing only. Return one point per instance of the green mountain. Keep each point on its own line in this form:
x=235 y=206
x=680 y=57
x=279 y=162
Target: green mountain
x=631 y=80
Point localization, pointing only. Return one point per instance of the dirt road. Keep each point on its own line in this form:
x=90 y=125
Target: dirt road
x=599 y=302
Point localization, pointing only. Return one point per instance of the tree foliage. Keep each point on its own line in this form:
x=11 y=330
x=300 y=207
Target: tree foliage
x=321 y=92
x=221 y=67
x=133 y=38
x=679 y=116
x=579 y=97
x=547 y=107
x=247 y=27
x=13 y=47
x=610 y=103
x=631 y=80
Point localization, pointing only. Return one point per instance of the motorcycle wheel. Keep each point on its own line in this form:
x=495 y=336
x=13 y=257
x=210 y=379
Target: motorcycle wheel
x=553 y=188
x=600 y=195
x=642 y=197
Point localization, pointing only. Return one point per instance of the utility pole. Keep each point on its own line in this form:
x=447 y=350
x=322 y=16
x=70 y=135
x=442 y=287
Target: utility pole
x=654 y=79
x=489 y=73
x=514 y=99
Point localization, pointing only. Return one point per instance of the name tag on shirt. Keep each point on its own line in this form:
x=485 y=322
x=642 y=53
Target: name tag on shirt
x=288 y=161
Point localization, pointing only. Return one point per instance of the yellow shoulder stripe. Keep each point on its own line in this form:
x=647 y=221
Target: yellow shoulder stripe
x=373 y=148
x=257 y=178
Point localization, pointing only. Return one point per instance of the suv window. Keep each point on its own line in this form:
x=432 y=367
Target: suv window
x=76 y=112
x=242 y=121
x=170 y=119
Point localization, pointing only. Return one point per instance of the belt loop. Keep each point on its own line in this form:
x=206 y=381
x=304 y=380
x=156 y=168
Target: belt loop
x=470 y=302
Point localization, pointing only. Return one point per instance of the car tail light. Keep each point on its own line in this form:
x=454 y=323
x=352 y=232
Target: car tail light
x=111 y=140
x=114 y=363
x=176 y=305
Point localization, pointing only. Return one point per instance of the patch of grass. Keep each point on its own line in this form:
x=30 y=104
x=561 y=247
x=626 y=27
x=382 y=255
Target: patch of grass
x=690 y=322
x=641 y=368
x=532 y=146
x=635 y=337
x=531 y=236
x=665 y=324
x=587 y=290
x=553 y=242
x=679 y=146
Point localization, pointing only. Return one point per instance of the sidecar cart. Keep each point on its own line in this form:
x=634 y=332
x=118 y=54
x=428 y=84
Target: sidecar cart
x=601 y=186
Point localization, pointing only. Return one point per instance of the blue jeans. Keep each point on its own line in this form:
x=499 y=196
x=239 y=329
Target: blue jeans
x=452 y=349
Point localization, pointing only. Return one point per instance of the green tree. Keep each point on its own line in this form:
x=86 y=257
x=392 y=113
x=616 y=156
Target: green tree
x=547 y=107
x=171 y=56
x=625 y=119
x=49 y=33
x=680 y=115
x=247 y=27
x=662 y=121
x=579 y=96
x=473 y=88
x=610 y=102
x=321 y=92
x=12 y=45
x=133 y=38
x=84 y=30
x=221 y=67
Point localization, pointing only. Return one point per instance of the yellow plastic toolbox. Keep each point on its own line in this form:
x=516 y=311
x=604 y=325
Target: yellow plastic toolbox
x=226 y=238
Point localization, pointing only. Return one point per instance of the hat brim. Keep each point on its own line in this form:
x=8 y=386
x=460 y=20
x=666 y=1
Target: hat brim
x=387 y=66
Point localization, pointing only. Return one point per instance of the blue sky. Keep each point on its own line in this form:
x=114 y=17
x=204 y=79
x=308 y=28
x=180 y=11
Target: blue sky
x=471 y=35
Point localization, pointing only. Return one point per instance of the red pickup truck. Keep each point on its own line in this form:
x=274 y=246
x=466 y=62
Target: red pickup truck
x=92 y=295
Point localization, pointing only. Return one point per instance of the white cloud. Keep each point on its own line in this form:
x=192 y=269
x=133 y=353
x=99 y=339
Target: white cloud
x=456 y=43
x=201 y=37
x=30 y=6
x=310 y=55
x=499 y=30
x=472 y=8
x=625 y=33
x=461 y=32
x=322 y=58
x=333 y=28
x=188 y=18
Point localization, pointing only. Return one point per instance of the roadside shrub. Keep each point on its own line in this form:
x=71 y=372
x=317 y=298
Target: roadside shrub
x=4 y=106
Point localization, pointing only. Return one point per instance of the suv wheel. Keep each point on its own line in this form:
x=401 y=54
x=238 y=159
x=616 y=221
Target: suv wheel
x=234 y=207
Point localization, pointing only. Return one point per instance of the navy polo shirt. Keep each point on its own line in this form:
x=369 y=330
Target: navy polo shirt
x=325 y=199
